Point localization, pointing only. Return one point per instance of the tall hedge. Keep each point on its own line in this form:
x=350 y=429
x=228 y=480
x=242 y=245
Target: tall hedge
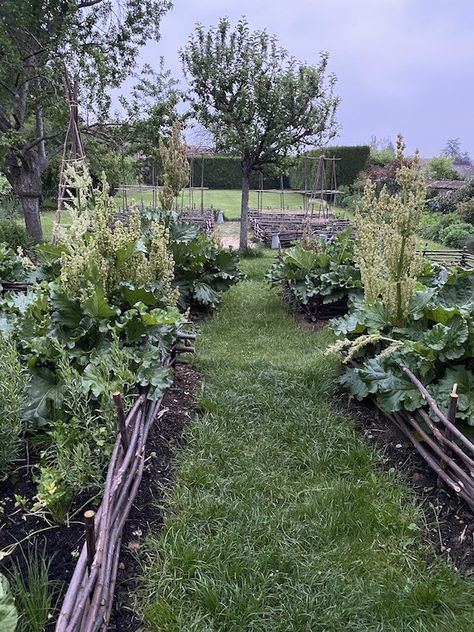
x=224 y=172
x=353 y=159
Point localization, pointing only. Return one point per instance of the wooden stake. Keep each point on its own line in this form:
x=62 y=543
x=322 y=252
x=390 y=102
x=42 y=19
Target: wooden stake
x=89 y=521
x=453 y=403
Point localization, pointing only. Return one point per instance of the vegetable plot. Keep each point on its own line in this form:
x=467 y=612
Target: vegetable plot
x=319 y=278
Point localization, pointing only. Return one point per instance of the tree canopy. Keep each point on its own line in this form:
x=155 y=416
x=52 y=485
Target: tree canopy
x=258 y=102
x=453 y=150
x=97 y=41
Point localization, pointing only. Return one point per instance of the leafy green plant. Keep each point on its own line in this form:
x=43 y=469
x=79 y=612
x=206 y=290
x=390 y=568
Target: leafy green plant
x=32 y=590
x=456 y=235
x=13 y=234
x=466 y=211
x=203 y=270
x=441 y=168
x=319 y=276
x=386 y=248
x=8 y=612
x=13 y=380
x=100 y=318
x=12 y=265
x=436 y=342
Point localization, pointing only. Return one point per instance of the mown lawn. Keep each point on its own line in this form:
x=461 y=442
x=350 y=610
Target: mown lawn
x=225 y=200
x=47 y=221
x=280 y=520
x=228 y=200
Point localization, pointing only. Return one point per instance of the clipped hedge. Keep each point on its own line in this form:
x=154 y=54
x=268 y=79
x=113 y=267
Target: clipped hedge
x=353 y=160
x=224 y=172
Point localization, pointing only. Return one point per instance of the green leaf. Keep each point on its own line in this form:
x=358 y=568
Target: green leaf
x=419 y=301
x=465 y=381
x=135 y=295
x=351 y=381
x=375 y=376
x=8 y=612
x=97 y=306
x=448 y=339
x=352 y=323
x=376 y=317
x=204 y=294
x=156 y=377
x=400 y=393
x=458 y=291
x=43 y=396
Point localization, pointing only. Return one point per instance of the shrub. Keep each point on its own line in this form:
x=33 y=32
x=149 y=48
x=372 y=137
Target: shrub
x=466 y=192
x=9 y=205
x=386 y=176
x=455 y=235
x=441 y=168
x=347 y=199
x=448 y=229
x=13 y=234
x=466 y=211
x=442 y=203
x=381 y=157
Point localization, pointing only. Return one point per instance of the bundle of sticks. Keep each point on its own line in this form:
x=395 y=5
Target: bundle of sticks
x=88 y=602
x=441 y=443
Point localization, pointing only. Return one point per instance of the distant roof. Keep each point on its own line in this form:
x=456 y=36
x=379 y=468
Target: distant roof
x=445 y=185
x=465 y=171
x=199 y=150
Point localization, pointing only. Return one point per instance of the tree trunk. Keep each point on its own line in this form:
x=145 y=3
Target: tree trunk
x=25 y=179
x=244 y=213
x=31 y=213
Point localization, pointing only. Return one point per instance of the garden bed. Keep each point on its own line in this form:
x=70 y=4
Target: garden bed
x=157 y=478
x=62 y=543
x=450 y=521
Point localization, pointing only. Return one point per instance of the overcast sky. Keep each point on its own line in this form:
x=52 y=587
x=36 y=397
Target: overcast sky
x=402 y=65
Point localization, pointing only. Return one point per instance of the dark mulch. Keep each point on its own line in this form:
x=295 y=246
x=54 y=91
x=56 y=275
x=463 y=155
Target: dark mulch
x=34 y=531
x=62 y=543
x=450 y=521
x=163 y=440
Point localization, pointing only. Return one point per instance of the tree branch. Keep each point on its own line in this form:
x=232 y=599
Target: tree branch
x=51 y=154
x=5 y=124
x=88 y=3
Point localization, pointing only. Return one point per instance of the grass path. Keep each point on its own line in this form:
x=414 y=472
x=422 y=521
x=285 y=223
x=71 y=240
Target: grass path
x=279 y=521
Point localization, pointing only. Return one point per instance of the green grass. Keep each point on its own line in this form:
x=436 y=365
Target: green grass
x=280 y=520
x=47 y=221
x=228 y=200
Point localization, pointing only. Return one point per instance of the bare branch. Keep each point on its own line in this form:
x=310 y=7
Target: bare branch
x=88 y=3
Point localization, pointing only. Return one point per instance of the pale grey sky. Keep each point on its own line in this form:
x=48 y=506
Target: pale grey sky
x=402 y=65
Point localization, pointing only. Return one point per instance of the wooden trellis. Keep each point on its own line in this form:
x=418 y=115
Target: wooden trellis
x=73 y=151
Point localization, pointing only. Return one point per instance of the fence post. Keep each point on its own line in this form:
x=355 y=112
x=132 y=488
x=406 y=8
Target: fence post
x=90 y=536
x=453 y=404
